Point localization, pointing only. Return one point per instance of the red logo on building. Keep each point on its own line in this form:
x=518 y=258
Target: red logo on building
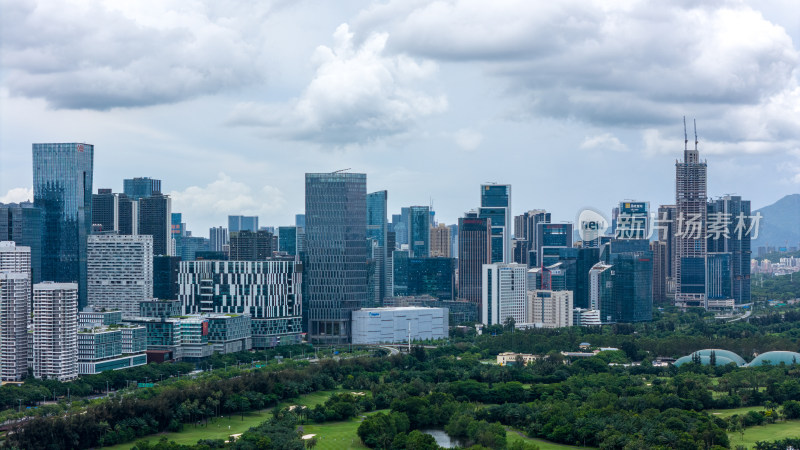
x=80 y=147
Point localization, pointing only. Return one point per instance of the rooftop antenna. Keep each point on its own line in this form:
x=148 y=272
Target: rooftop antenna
x=695 y=133
x=685 y=136
x=341 y=170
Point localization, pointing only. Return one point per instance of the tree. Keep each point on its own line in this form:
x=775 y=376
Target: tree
x=791 y=409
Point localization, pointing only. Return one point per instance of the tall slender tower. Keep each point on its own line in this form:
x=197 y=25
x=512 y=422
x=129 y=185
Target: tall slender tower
x=62 y=188
x=690 y=240
x=335 y=266
x=496 y=205
x=15 y=300
x=474 y=250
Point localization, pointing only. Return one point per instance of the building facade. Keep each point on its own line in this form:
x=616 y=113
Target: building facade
x=336 y=255
x=474 y=250
x=397 y=324
x=250 y=245
x=690 y=240
x=141 y=187
x=55 y=330
x=731 y=216
x=15 y=299
x=440 y=241
x=242 y=223
x=504 y=293
x=62 y=189
x=120 y=272
x=22 y=224
x=155 y=219
x=496 y=206
x=551 y=309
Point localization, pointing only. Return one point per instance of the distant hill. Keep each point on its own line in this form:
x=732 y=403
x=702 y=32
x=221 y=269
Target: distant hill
x=780 y=224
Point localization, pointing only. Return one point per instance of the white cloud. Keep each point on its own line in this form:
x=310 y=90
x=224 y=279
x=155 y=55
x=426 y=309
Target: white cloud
x=17 y=195
x=468 y=139
x=106 y=54
x=605 y=141
x=357 y=95
x=205 y=206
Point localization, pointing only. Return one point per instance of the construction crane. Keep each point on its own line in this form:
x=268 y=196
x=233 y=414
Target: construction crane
x=341 y=170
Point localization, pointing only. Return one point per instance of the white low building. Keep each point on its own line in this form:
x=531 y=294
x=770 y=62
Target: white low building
x=393 y=325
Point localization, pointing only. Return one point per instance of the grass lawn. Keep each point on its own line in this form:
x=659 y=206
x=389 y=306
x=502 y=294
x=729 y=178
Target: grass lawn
x=512 y=435
x=725 y=413
x=770 y=432
x=218 y=429
x=338 y=435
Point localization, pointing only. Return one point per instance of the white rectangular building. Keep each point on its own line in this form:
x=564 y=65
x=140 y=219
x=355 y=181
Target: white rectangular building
x=55 y=330
x=504 y=293
x=15 y=292
x=120 y=272
x=551 y=309
x=393 y=325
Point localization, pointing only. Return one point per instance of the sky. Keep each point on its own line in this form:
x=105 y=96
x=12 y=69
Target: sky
x=575 y=103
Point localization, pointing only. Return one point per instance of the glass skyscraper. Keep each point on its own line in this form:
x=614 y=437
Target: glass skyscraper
x=419 y=238
x=690 y=246
x=336 y=254
x=242 y=223
x=142 y=187
x=474 y=250
x=496 y=205
x=22 y=223
x=62 y=188
x=377 y=230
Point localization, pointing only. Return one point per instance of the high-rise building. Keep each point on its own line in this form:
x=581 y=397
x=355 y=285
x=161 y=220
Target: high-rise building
x=165 y=276
x=474 y=250
x=142 y=187
x=525 y=230
x=665 y=233
x=551 y=309
x=660 y=264
x=55 y=330
x=218 y=239
x=120 y=272
x=155 y=219
x=22 y=224
x=551 y=235
x=290 y=240
x=377 y=230
x=504 y=293
x=719 y=279
x=400 y=224
x=423 y=276
x=300 y=220
x=633 y=221
x=453 y=240
x=419 y=231
x=242 y=223
x=574 y=265
x=62 y=188
x=729 y=218
x=496 y=205
x=250 y=245
x=690 y=240
x=15 y=293
x=268 y=291
x=601 y=292
x=104 y=210
x=632 y=277
x=336 y=254
x=440 y=241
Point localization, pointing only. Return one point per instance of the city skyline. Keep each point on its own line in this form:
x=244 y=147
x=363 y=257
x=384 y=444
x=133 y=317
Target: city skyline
x=473 y=107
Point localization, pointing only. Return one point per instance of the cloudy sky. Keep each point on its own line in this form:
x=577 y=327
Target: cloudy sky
x=575 y=103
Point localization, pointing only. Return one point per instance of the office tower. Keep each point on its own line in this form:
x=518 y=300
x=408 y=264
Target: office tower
x=155 y=219
x=719 y=280
x=660 y=264
x=401 y=226
x=664 y=231
x=120 y=272
x=242 y=223
x=62 y=189
x=525 y=230
x=632 y=279
x=551 y=235
x=551 y=309
x=453 y=240
x=218 y=237
x=633 y=220
x=22 y=224
x=440 y=241
x=188 y=247
x=474 y=250
x=690 y=241
x=419 y=231
x=496 y=205
x=142 y=187
x=336 y=257
x=268 y=291
x=574 y=264
x=377 y=229
x=15 y=300
x=300 y=220
x=433 y=277
x=519 y=251
x=165 y=276
x=725 y=215
x=250 y=245
x=290 y=240
x=601 y=292
x=504 y=293
x=55 y=330
x=614 y=219
x=104 y=210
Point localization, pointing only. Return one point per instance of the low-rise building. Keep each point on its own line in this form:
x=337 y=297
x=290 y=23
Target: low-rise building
x=506 y=358
x=397 y=324
x=101 y=349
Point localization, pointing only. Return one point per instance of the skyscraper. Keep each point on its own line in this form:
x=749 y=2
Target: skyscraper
x=336 y=254
x=155 y=219
x=242 y=223
x=419 y=231
x=377 y=229
x=550 y=235
x=504 y=293
x=218 y=237
x=120 y=272
x=728 y=211
x=474 y=250
x=440 y=241
x=62 y=188
x=22 y=224
x=55 y=330
x=15 y=293
x=250 y=246
x=496 y=205
x=633 y=220
x=690 y=239
x=142 y=187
